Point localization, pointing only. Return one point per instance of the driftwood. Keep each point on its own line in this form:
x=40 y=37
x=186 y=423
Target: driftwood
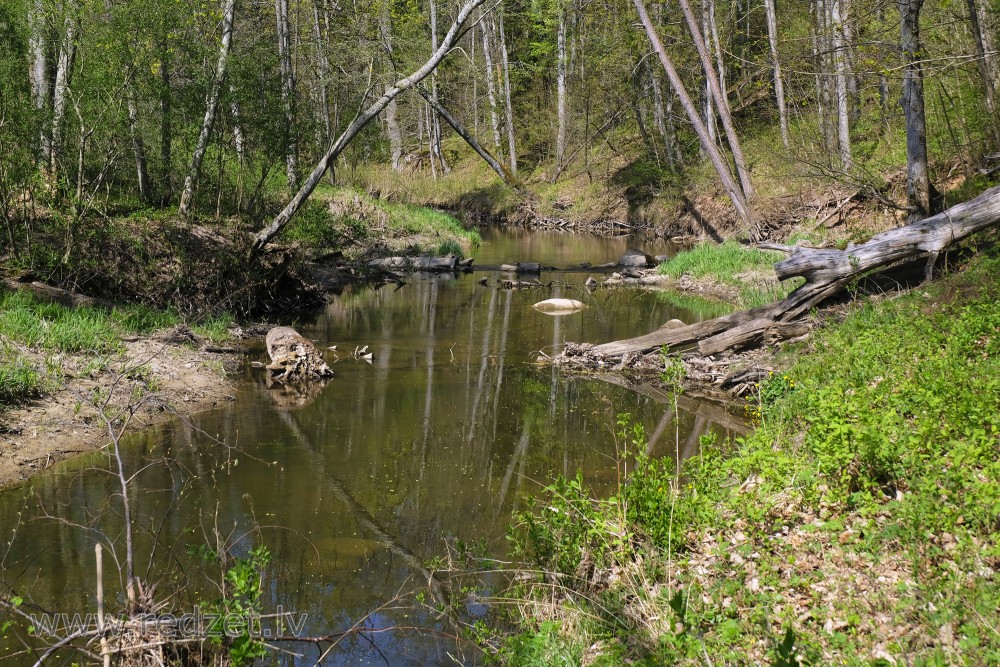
x=521 y=267
x=294 y=357
x=50 y=294
x=435 y=264
x=826 y=272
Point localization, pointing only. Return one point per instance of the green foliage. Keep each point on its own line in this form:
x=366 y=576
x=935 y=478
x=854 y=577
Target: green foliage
x=721 y=261
x=240 y=605
x=544 y=647
x=19 y=381
x=567 y=527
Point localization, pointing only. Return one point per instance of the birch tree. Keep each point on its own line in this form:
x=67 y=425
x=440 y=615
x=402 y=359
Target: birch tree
x=360 y=121
x=211 y=107
x=724 y=115
x=779 y=86
x=918 y=185
x=37 y=74
x=560 y=88
x=721 y=168
x=840 y=69
x=511 y=145
x=287 y=92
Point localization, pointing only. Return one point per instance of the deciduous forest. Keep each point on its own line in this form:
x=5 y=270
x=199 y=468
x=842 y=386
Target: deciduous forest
x=612 y=331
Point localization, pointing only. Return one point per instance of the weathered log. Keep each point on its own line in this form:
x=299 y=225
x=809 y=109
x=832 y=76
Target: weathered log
x=294 y=357
x=436 y=264
x=751 y=333
x=521 y=267
x=50 y=294
x=826 y=272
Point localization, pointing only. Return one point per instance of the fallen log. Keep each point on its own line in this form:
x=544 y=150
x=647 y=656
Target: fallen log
x=50 y=294
x=434 y=264
x=826 y=272
x=294 y=357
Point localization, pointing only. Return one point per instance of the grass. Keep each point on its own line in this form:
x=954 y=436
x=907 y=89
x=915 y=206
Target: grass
x=734 y=264
x=36 y=337
x=352 y=220
x=859 y=523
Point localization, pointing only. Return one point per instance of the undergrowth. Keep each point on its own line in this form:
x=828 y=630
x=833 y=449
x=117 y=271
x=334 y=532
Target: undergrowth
x=859 y=524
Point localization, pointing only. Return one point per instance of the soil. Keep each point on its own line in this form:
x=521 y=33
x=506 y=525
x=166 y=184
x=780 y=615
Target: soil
x=172 y=374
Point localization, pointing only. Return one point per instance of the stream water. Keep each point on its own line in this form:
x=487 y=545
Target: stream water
x=357 y=488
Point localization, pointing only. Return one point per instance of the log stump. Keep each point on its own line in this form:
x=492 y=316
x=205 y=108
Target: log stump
x=293 y=357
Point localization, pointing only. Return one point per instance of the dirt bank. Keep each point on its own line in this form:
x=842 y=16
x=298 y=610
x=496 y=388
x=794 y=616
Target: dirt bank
x=162 y=376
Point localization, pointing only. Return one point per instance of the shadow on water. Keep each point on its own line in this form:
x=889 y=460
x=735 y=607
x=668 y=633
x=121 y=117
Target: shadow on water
x=355 y=490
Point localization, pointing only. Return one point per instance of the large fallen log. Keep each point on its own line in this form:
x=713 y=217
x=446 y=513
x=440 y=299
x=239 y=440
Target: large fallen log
x=294 y=357
x=826 y=272
x=50 y=294
x=435 y=264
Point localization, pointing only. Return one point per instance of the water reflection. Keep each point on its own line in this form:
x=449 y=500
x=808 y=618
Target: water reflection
x=356 y=489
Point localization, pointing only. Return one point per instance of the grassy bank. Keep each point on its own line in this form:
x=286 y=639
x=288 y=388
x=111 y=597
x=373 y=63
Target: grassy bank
x=356 y=223
x=41 y=343
x=859 y=524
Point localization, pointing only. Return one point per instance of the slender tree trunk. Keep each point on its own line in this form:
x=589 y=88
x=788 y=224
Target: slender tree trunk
x=212 y=104
x=391 y=111
x=717 y=49
x=360 y=121
x=918 y=185
x=779 y=86
x=560 y=91
x=840 y=66
x=467 y=136
x=727 y=122
x=491 y=83
x=38 y=77
x=138 y=147
x=287 y=92
x=511 y=147
x=819 y=66
x=709 y=102
x=239 y=139
x=323 y=61
x=64 y=72
x=735 y=194
x=984 y=71
x=660 y=118
x=435 y=124
x=166 y=131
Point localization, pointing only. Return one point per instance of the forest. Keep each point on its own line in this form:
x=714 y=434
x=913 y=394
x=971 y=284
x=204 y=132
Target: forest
x=772 y=439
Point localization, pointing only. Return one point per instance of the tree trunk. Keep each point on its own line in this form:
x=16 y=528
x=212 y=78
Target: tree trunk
x=211 y=107
x=391 y=115
x=918 y=185
x=708 y=100
x=468 y=137
x=323 y=61
x=38 y=76
x=827 y=272
x=511 y=147
x=435 y=125
x=64 y=72
x=984 y=72
x=717 y=49
x=660 y=118
x=735 y=194
x=560 y=92
x=138 y=147
x=239 y=140
x=840 y=66
x=491 y=83
x=359 y=122
x=287 y=92
x=723 y=107
x=779 y=86
x=166 y=131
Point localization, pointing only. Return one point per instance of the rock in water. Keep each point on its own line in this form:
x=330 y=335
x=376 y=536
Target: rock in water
x=636 y=259
x=559 y=306
x=294 y=357
x=591 y=283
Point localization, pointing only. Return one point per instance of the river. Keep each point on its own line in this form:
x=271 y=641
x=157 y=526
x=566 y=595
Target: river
x=358 y=490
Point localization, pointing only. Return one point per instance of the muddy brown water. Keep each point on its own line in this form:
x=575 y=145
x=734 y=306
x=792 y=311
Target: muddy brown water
x=357 y=488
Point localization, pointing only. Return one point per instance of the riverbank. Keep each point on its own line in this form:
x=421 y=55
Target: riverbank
x=858 y=524
x=62 y=367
